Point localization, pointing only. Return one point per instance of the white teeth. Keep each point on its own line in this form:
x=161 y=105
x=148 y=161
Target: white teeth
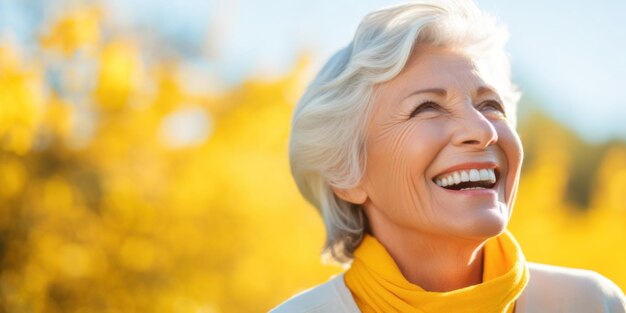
x=474 y=175
x=492 y=175
x=464 y=176
x=484 y=174
x=457 y=177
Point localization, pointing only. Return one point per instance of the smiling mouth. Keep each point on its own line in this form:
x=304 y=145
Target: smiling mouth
x=468 y=179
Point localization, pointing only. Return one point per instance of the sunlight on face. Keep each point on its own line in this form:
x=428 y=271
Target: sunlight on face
x=442 y=158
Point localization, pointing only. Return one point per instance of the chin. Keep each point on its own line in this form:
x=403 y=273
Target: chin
x=487 y=223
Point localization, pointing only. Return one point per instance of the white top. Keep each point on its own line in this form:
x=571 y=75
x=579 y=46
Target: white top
x=550 y=289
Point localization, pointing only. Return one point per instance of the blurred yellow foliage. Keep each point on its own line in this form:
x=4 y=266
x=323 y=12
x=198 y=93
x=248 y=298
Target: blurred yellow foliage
x=76 y=29
x=123 y=221
x=19 y=87
x=119 y=66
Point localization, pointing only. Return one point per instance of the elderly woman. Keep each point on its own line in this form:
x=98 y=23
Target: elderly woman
x=405 y=142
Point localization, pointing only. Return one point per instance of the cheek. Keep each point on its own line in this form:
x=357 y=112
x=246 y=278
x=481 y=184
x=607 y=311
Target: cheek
x=388 y=158
x=397 y=162
x=426 y=144
x=511 y=146
x=513 y=149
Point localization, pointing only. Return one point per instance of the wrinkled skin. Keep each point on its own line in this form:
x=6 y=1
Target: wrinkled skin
x=442 y=112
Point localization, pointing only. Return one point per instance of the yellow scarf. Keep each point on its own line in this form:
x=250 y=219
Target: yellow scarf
x=378 y=285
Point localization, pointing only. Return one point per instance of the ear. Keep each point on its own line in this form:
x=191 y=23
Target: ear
x=356 y=195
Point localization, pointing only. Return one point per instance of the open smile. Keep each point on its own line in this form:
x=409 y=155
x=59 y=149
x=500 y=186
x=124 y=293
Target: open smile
x=468 y=178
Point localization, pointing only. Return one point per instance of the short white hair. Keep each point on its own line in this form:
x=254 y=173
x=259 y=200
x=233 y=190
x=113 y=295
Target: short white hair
x=327 y=144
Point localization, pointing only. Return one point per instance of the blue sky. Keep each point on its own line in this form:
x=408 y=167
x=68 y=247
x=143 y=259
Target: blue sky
x=569 y=55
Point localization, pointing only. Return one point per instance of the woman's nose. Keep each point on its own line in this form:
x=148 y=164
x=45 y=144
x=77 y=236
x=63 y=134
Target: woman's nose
x=475 y=130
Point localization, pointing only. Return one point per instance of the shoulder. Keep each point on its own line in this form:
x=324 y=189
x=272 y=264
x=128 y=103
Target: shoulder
x=560 y=289
x=331 y=296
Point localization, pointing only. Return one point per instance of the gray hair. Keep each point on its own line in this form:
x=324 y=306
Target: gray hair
x=327 y=144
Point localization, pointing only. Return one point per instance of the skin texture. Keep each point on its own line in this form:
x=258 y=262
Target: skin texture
x=439 y=113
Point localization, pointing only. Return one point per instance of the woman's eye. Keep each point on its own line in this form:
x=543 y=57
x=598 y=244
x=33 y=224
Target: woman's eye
x=492 y=106
x=425 y=107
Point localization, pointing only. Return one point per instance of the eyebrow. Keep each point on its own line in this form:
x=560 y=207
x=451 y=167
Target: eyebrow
x=439 y=91
x=485 y=89
x=442 y=92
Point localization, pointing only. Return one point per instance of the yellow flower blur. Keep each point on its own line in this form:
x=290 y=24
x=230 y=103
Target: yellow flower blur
x=134 y=194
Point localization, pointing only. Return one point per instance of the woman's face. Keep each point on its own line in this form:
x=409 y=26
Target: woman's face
x=442 y=158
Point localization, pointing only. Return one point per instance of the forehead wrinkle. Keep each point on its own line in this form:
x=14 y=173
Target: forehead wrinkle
x=463 y=91
x=468 y=83
x=440 y=72
x=473 y=81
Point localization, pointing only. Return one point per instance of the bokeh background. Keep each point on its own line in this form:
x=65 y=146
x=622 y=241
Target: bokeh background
x=143 y=148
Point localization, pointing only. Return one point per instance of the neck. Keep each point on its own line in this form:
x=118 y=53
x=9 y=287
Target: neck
x=434 y=263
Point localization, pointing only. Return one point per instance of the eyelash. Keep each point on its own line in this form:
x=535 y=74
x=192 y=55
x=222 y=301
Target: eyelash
x=430 y=104
x=424 y=105
x=494 y=104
